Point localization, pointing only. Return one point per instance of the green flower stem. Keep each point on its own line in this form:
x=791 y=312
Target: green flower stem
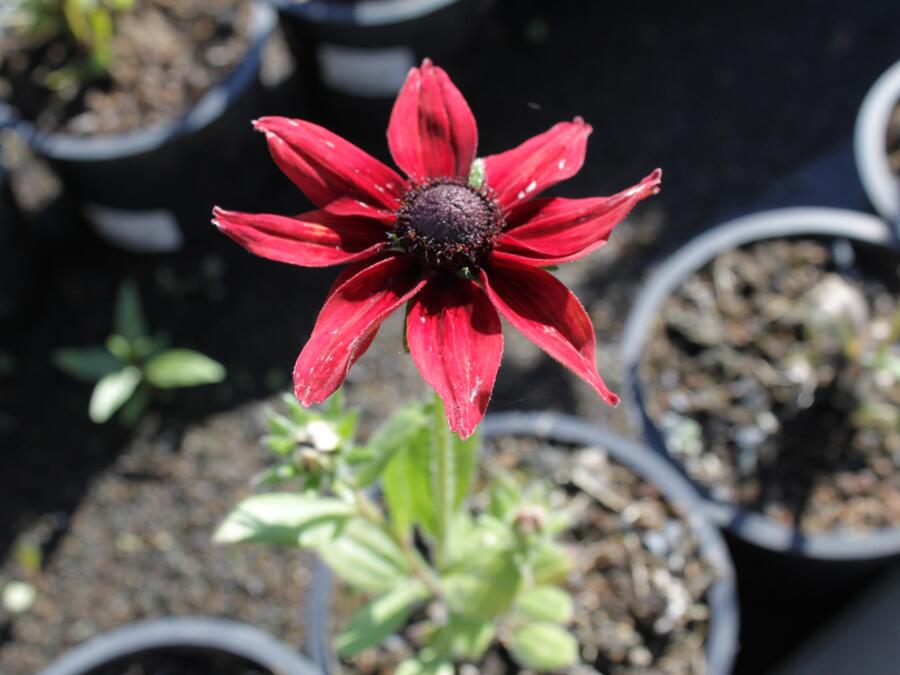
x=443 y=479
x=416 y=562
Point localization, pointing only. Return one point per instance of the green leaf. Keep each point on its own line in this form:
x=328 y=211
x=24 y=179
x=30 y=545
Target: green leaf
x=88 y=364
x=477 y=174
x=442 y=468
x=406 y=486
x=391 y=437
x=463 y=639
x=135 y=407
x=365 y=557
x=545 y=603
x=111 y=393
x=380 y=618
x=543 y=646
x=505 y=495
x=129 y=317
x=284 y=518
x=182 y=368
x=420 y=667
x=466 y=454
x=119 y=347
x=550 y=563
x=486 y=588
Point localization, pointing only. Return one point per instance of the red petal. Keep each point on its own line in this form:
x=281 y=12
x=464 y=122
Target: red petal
x=347 y=324
x=314 y=239
x=561 y=230
x=520 y=174
x=432 y=131
x=548 y=314
x=346 y=206
x=326 y=167
x=455 y=340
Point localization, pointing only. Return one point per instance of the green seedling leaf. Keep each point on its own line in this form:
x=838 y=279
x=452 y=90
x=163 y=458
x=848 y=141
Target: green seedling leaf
x=550 y=563
x=135 y=407
x=545 y=603
x=182 y=368
x=391 y=437
x=111 y=393
x=380 y=618
x=463 y=639
x=365 y=557
x=284 y=518
x=129 y=316
x=119 y=347
x=406 y=486
x=419 y=667
x=297 y=412
x=543 y=646
x=89 y=364
x=506 y=496
x=485 y=589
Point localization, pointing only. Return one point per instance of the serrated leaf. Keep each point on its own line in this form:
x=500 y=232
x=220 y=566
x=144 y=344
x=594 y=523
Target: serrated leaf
x=550 y=563
x=88 y=364
x=417 y=667
x=129 y=316
x=284 y=518
x=543 y=646
x=111 y=393
x=365 y=557
x=486 y=588
x=380 y=618
x=182 y=368
x=390 y=438
x=545 y=603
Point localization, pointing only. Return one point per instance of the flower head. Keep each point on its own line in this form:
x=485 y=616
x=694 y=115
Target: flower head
x=462 y=241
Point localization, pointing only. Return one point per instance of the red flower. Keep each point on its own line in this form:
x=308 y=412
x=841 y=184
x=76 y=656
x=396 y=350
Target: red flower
x=458 y=250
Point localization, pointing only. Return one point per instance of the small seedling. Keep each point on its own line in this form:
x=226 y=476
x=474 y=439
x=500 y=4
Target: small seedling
x=132 y=363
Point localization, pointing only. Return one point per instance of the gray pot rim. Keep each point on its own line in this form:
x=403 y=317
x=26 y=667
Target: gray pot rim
x=790 y=222
x=364 y=13
x=211 y=106
x=722 y=638
x=214 y=634
x=882 y=186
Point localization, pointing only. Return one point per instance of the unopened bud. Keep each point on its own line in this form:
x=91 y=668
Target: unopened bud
x=530 y=519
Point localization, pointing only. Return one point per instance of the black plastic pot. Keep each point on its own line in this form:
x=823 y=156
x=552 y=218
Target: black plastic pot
x=355 y=54
x=15 y=251
x=789 y=581
x=193 y=636
x=150 y=189
x=881 y=184
x=721 y=643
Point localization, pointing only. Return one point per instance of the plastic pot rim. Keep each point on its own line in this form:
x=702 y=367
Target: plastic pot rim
x=70 y=147
x=722 y=638
x=790 y=222
x=364 y=13
x=880 y=183
x=214 y=634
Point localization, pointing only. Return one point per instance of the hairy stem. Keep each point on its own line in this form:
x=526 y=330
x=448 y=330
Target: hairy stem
x=443 y=476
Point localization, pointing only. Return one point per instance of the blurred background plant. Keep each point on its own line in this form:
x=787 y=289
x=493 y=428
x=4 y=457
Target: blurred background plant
x=459 y=578
x=86 y=23
x=132 y=363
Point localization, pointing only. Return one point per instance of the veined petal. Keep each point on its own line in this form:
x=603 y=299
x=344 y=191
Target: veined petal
x=548 y=314
x=432 y=132
x=314 y=239
x=456 y=341
x=561 y=230
x=347 y=324
x=326 y=167
x=522 y=173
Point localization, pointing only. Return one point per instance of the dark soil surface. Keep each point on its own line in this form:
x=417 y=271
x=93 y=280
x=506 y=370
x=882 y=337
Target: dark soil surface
x=772 y=375
x=893 y=140
x=638 y=583
x=165 y=55
x=183 y=663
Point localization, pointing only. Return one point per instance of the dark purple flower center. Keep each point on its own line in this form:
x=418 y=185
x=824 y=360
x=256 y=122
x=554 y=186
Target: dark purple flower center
x=448 y=224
